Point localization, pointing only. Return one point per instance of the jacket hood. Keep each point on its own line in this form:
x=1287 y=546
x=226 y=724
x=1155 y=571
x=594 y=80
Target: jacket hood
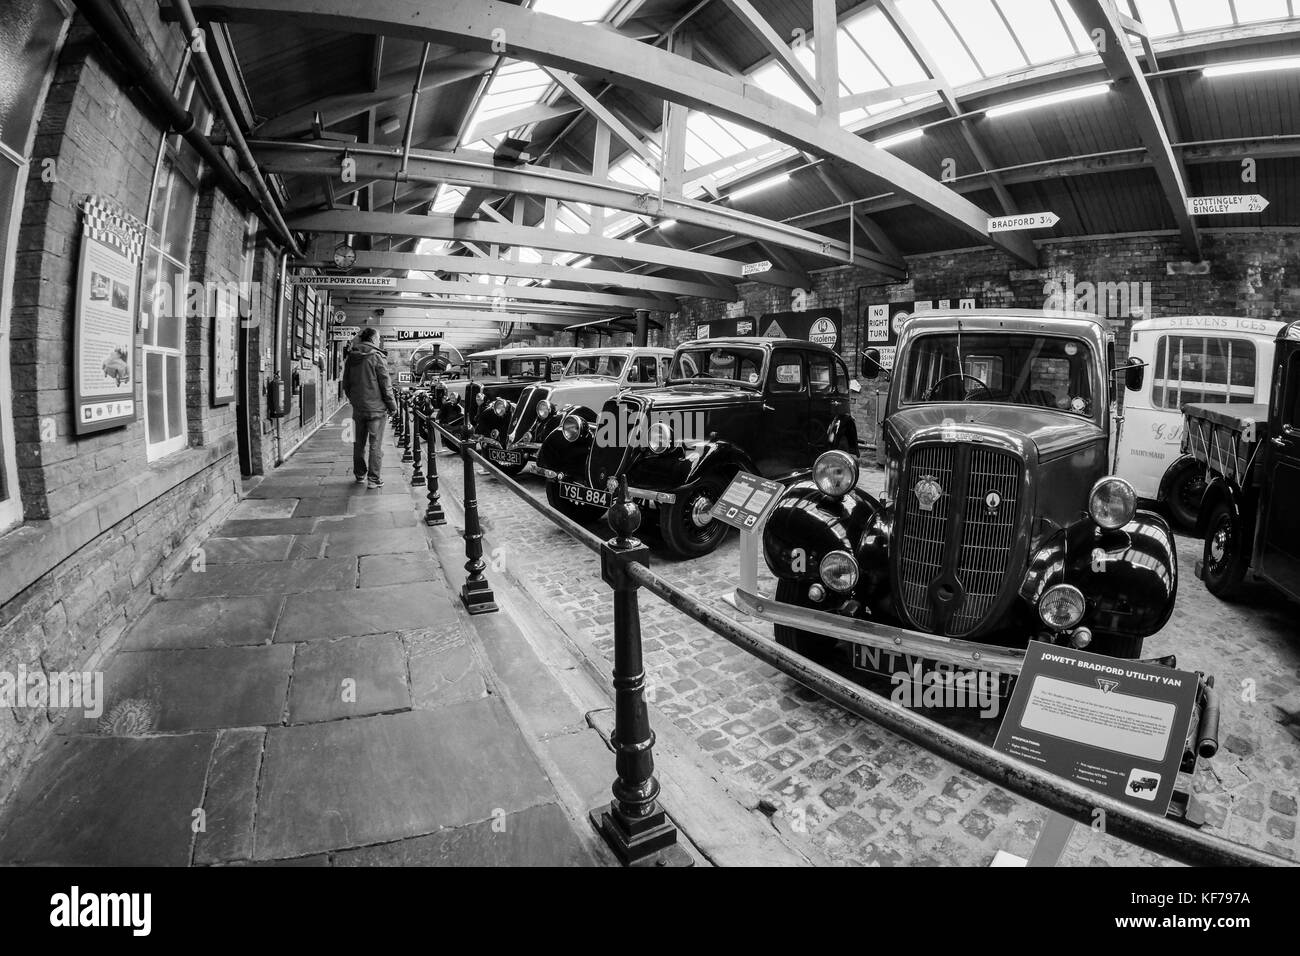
x=1051 y=432
x=362 y=349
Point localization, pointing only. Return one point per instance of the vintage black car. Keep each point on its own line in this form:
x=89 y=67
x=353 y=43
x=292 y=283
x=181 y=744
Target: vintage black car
x=767 y=406
x=510 y=433
x=497 y=373
x=1000 y=521
x=1250 y=514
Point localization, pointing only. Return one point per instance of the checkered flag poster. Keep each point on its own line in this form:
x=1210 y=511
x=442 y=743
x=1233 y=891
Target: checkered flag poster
x=104 y=357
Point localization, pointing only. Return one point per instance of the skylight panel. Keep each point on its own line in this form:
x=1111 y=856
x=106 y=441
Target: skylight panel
x=772 y=78
x=883 y=44
x=1204 y=14
x=1082 y=38
x=857 y=72
x=981 y=27
x=1038 y=29
x=579 y=11
x=1252 y=11
x=1158 y=17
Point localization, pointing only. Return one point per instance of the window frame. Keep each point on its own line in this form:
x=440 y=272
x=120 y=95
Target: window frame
x=173 y=163
x=1162 y=384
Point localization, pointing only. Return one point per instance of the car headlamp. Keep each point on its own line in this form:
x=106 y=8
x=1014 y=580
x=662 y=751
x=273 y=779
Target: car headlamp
x=543 y=410
x=1112 y=503
x=571 y=427
x=839 y=571
x=1061 y=606
x=499 y=408
x=836 y=473
x=660 y=438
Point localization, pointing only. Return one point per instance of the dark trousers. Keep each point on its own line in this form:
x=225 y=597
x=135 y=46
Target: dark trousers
x=368 y=429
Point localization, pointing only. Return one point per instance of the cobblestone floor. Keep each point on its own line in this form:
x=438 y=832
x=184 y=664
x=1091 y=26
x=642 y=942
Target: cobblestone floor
x=866 y=796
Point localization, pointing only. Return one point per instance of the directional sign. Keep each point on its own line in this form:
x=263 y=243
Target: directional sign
x=754 y=268
x=343 y=333
x=1032 y=220
x=1225 y=205
x=345 y=282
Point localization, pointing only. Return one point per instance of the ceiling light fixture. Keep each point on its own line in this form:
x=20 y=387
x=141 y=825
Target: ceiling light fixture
x=1252 y=66
x=1051 y=99
x=904 y=137
x=758 y=187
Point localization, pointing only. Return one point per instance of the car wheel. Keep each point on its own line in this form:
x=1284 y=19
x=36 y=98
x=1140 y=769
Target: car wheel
x=815 y=647
x=1117 y=645
x=1224 y=559
x=1183 y=499
x=687 y=527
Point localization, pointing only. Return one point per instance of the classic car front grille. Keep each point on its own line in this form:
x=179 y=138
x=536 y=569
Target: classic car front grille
x=977 y=562
x=525 y=411
x=608 y=457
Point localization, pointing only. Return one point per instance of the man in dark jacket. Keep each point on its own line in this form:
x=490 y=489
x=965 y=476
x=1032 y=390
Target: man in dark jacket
x=370 y=390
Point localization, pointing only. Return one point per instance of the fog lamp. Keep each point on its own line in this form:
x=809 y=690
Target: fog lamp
x=499 y=408
x=543 y=410
x=816 y=593
x=836 y=473
x=1061 y=607
x=660 y=438
x=1081 y=638
x=571 y=427
x=494 y=434
x=839 y=571
x=1112 y=503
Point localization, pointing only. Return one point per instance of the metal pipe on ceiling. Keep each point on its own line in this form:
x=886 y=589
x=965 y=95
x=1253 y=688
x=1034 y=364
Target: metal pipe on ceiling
x=126 y=49
x=190 y=28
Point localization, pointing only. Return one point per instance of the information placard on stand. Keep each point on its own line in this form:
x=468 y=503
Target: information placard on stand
x=745 y=505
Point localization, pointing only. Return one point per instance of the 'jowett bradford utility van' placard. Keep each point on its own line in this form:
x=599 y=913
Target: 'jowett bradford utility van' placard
x=1115 y=726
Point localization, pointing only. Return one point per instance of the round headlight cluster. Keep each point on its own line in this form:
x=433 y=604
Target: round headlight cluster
x=839 y=571
x=1061 y=606
x=660 y=438
x=1112 y=503
x=836 y=473
x=499 y=408
x=571 y=427
x=543 y=410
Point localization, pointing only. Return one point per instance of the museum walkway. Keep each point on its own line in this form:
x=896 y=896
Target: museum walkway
x=309 y=691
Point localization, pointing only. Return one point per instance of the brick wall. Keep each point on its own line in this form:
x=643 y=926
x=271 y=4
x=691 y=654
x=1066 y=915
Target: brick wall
x=105 y=528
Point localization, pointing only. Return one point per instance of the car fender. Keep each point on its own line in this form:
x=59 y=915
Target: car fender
x=1220 y=489
x=845 y=428
x=1129 y=577
x=488 y=419
x=805 y=525
x=567 y=457
x=711 y=457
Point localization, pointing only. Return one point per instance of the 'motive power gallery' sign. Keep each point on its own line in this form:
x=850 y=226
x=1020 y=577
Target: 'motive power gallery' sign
x=1114 y=726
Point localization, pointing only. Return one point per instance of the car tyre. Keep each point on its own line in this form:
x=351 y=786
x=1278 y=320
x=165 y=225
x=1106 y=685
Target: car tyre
x=1183 y=499
x=1224 y=559
x=680 y=523
x=816 y=647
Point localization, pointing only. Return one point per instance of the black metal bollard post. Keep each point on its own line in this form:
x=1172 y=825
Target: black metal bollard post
x=406 y=427
x=418 y=407
x=633 y=824
x=433 y=515
x=476 y=593
x=398 y=421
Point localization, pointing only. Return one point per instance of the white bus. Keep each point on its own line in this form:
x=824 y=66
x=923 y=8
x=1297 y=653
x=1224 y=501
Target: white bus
x=1192 y=358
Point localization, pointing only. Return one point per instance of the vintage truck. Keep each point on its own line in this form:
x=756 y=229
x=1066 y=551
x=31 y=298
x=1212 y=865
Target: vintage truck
x=1001 y=520
x=1250 y=515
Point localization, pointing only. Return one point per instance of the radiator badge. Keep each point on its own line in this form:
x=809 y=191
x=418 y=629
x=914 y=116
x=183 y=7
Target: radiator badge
x=993 y=501
x=927 y=491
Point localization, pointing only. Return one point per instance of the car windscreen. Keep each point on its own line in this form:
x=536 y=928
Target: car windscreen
x=531 y=367
x=734 y=364
x=607 y=365
x=1004 y=368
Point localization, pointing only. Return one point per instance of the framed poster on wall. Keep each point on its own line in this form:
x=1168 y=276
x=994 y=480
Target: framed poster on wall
x=108 y=276
x=225 y=344
x=299 y=320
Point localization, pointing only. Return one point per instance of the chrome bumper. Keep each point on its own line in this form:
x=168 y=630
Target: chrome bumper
x=643 y=494
x=964 y=654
